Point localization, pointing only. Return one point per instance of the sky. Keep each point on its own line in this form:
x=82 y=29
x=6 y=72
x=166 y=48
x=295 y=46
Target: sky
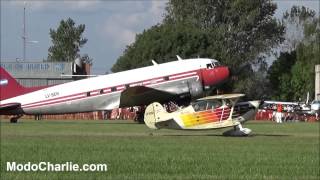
x=110 y=25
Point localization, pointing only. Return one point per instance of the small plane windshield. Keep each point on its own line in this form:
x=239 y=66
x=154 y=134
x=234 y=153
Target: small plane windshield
x=206 y=105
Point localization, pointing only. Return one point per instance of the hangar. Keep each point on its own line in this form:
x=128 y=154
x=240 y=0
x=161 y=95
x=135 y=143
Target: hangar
x=31 y=74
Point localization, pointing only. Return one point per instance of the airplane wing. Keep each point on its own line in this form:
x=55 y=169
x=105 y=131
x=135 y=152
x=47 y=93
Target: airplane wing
x=222 y=96
x=141 y=95
x=7 y=109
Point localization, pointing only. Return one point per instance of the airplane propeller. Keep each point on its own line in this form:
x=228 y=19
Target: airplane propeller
x=236 y=71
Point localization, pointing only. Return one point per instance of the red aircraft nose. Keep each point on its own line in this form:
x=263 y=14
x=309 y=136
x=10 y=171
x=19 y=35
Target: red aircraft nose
x=215 y=76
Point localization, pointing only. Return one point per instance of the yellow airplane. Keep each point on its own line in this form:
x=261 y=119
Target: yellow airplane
x=212 y=112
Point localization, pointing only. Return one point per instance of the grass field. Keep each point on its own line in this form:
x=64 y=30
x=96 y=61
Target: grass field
x=132 y=151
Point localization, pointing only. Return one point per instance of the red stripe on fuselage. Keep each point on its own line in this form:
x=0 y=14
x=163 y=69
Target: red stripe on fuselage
x=107 y=90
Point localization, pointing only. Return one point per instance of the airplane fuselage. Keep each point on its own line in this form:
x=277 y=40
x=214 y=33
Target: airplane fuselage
x=104 y=92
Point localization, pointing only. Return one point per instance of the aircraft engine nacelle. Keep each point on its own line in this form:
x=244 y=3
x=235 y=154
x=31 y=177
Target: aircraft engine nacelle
x=195 y=89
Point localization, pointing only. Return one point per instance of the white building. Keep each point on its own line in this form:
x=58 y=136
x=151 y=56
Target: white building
x=32 y=74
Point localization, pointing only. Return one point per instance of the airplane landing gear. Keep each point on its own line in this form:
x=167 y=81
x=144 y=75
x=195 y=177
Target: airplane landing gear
x=238 y=131
x=14 y=119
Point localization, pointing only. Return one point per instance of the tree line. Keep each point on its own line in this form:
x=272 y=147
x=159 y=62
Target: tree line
x=241 y=34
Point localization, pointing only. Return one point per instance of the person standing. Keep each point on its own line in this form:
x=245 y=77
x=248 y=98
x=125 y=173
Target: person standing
x=279 y=114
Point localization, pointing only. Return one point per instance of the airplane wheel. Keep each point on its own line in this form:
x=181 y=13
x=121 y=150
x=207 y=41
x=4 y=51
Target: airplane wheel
x=13 y=120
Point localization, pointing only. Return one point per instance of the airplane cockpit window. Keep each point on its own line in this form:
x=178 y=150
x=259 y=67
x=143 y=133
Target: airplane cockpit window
x=213 y=64
x=213 y=104
x=199 y=105
x=206 y=105
x=216 y=64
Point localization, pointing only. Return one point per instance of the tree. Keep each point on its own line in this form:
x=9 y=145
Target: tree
x=233 y=32
x=163 y=43
x=295 y=21
x=279 y=75
x=67 y=41
x=292 y=74
x=303 y=74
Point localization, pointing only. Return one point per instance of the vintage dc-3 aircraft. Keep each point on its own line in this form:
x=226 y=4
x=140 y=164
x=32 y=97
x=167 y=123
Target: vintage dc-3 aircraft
x=211 y=112
x=142 y=86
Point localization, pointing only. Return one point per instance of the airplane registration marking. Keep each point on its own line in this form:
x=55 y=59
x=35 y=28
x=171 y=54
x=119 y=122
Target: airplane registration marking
x=106 y=90
x=55 y=101
x=52 y=94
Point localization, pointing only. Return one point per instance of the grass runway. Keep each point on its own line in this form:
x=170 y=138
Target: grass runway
x=132 y=151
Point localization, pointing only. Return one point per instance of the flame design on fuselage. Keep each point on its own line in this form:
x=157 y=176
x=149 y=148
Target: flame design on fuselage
x=204 y=117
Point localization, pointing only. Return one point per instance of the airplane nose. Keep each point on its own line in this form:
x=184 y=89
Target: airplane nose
x=215 y=76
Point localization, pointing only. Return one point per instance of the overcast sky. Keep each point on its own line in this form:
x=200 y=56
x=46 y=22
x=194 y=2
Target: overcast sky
x=110 y=25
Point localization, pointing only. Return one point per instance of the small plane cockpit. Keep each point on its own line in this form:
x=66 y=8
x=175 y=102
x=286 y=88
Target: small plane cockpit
x=206 y=105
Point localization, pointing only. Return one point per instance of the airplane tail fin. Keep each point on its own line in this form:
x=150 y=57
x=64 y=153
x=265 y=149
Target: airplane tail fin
x=152 y=115
x=9 y=87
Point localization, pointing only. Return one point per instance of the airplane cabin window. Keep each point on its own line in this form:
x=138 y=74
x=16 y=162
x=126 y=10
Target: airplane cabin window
x=113 y=89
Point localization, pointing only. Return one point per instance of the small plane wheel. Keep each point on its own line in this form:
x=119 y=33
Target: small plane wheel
x=13 y=120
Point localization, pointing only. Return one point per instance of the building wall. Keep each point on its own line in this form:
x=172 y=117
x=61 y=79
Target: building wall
x=31 y=74
x=317 y=82
x=41 y=82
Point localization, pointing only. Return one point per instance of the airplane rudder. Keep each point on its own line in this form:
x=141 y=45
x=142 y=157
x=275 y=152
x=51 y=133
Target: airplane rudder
x=150 y=115
x=9 y=86
x=6 y=77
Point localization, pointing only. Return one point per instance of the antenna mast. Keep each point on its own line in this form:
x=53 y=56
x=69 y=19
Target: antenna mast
x=24 y=32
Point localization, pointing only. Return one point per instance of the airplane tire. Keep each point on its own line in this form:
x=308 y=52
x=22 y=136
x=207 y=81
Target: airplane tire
x=13 y=120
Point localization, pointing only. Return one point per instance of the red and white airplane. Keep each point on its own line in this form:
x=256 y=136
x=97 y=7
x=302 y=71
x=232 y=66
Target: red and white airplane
x=142 y=86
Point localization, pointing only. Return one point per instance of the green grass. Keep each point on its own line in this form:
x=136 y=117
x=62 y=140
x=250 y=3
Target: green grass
x=132 y=151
